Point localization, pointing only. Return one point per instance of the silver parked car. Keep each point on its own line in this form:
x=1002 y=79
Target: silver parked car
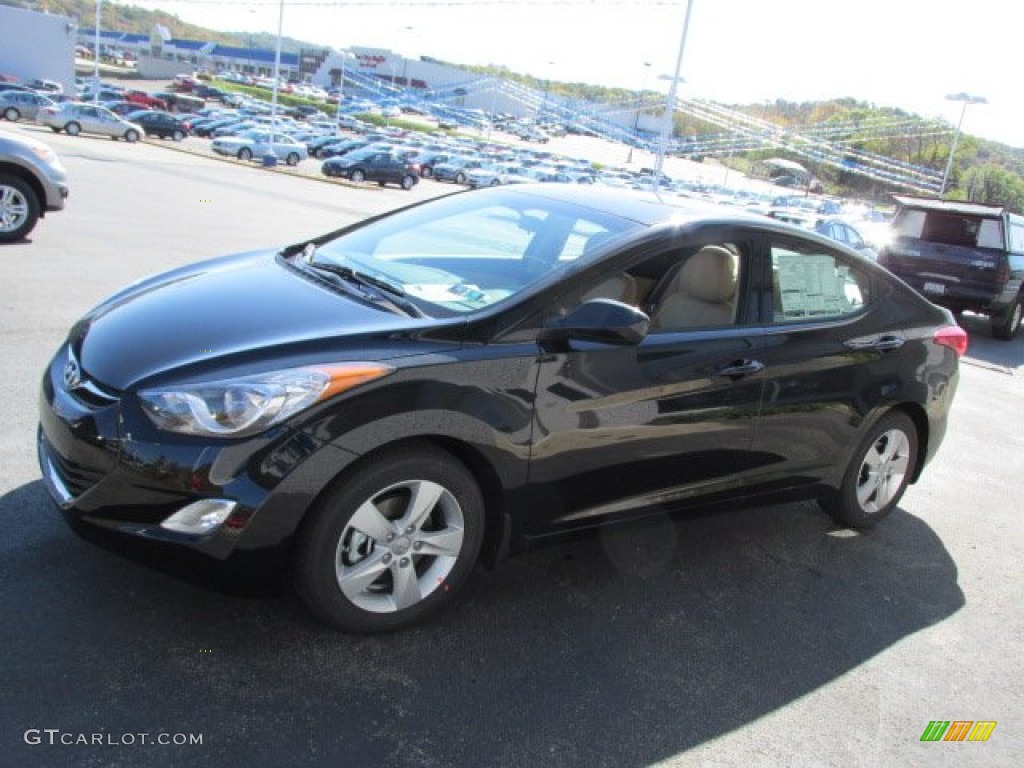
x=23 y=105
x=32 y=182
x=250 y=144
x=75 y=117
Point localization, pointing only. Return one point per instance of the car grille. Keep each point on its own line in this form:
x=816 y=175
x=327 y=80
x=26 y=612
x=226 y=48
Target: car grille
x=77 y=478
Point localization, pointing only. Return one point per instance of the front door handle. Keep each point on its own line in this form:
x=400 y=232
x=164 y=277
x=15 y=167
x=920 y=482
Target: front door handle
x=738 y=368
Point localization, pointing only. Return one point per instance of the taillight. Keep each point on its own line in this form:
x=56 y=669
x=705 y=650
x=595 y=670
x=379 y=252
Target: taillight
x=1003 y=272
x=952 y=336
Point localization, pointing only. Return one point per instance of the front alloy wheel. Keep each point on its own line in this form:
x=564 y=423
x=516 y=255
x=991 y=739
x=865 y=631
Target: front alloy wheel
x=19 y=209
x=393 y=543
x=879 y=473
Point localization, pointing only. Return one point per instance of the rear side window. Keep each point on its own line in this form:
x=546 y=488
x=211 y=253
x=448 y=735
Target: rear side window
x=808 y=284
x=1017 y=238
x=950 y=228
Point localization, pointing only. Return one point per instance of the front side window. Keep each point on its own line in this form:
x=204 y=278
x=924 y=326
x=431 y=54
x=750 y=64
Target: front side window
x=812 y=284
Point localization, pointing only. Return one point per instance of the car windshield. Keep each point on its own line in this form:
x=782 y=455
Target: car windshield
x=471 y=251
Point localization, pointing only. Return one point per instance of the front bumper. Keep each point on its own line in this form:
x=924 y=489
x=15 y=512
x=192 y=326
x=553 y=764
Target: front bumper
x=105 y=470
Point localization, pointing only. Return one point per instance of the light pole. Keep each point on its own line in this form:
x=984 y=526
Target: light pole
x=670 y=102
x=405 y=65
x=341 y=93
x=271 y=158
x=636 y=120
x=96 y=59
x=967 y=99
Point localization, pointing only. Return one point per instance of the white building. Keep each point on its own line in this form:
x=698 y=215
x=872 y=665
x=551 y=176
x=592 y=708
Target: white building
x=37 y=46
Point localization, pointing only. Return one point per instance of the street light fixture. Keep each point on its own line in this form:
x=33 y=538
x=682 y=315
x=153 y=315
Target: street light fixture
x=967 y=100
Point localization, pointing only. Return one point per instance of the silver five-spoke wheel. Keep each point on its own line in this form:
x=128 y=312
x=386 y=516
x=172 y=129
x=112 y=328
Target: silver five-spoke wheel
x=399 y=546
x=878 y=473
x=393 y=541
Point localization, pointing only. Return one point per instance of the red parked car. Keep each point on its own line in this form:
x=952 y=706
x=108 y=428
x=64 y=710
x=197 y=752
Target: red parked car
x=144 y=99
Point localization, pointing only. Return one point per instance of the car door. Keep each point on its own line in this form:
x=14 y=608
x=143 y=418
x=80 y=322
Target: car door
x=619 y=428
x=831 y=351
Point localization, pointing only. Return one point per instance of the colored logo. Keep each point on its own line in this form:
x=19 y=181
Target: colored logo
x=958 y=730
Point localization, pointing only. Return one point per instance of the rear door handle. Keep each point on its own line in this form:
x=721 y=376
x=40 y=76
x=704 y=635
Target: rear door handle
x=880 y=343
x=740 y=368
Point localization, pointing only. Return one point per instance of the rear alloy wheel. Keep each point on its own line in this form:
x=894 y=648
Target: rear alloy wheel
x=245 y=154
x=357 y=176
x=393 y=543
x=73 y=129
x=131 y=136
x=1006 y=325
x=292 y=159
x=460 y=178
x=19 y=209
x=178 y=135
x=879 y=473
x=408 y=182
x=12 y=114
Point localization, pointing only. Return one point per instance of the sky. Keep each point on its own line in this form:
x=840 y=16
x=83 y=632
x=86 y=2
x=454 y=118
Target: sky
x=909 y=54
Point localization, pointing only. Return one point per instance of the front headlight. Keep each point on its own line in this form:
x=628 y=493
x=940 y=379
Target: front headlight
x=247 y=405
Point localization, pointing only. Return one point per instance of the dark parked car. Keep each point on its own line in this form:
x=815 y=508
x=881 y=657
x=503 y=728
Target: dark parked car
x=381 y=407
x=964 y=256
x=161 y=124
x=371 y=165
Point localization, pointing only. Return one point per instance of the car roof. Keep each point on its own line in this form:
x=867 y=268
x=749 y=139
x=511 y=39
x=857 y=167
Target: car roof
x=932 y=204
x=641 y=206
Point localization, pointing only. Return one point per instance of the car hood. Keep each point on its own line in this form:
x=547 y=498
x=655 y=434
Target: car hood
x=221 y=313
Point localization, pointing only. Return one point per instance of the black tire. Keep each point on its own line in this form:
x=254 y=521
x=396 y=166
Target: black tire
x=19 y=209
x=878 y=473
x=346 y=569
x=292 y=159
x=131 y=136
x=426 y=172
x=245 y=154
x=381 y=183
x=495 y=182
x=178 y=135
x=357 y=175
x=408 y=182
x=12 y=114
x=55 y=129
x=460 y=178
x=1006 y=325
x=73 y=129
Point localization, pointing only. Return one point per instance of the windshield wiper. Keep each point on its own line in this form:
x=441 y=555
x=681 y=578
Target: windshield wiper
x=380 y=291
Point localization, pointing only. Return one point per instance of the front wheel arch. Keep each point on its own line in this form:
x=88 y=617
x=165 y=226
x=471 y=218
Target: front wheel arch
x=324 y=528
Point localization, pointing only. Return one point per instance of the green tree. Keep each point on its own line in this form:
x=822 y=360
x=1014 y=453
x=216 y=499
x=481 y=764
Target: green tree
x=993 y=185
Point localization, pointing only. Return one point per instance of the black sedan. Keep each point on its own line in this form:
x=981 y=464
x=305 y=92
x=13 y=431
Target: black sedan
x=162 y=124
x=372 y=165
x=384 y=406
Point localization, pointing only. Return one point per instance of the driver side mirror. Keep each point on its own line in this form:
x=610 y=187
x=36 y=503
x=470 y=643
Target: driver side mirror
x=602 y=320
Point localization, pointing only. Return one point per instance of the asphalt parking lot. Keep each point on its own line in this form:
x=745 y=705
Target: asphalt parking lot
x=759 y=637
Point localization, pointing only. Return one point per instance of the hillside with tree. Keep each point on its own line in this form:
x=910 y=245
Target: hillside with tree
x=983 y=171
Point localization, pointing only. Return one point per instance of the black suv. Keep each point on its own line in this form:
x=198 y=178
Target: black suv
x=964 y=256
